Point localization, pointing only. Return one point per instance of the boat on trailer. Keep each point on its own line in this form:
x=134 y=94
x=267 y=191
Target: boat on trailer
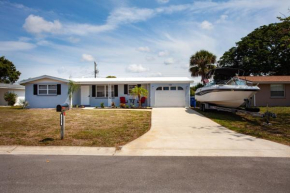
x=226 y=89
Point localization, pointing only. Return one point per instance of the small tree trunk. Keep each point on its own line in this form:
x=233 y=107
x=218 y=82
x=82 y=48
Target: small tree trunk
x=140 y=104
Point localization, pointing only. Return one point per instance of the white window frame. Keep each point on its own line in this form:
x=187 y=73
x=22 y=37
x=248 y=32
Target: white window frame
x=47 y=85
x=277 y=96
x=105 y=91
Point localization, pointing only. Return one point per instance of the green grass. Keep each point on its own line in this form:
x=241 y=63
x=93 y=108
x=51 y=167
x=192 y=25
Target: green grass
x=102 y=128
x=278 y=131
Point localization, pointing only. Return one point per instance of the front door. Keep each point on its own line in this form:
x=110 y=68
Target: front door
x=85 y=95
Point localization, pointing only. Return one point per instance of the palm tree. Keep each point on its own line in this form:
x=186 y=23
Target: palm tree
x=200 y=63
x=139 y=92
x=72 y=87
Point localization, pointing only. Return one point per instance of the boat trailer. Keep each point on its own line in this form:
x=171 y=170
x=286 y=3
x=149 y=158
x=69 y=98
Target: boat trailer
x=248 y=110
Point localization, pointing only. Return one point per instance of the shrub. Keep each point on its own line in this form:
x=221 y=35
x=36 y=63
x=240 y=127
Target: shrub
x=77 y=106
x=132 y=105
x=96 y=107
x=113 y=105
x=24 y=103
x=10 y=98
x=122 y=105
x=127 y=106
x=102 y=105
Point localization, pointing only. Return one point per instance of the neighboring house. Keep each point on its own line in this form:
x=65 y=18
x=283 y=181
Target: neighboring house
x=15 y=88
x=275 y=90
x=47 y=91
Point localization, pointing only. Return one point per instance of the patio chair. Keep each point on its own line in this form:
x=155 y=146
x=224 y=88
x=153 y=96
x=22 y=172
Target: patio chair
x=143 y=100
x=123 y=100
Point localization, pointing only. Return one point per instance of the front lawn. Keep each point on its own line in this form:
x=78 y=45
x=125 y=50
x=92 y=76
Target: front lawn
x=278 y=131
x=102 y=128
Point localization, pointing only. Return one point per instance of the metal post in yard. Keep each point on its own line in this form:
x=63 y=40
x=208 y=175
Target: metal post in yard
x=62 y=125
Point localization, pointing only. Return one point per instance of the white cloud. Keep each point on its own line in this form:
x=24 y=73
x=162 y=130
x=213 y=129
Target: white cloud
x=144 y=49
x=24 y=39
x=87 y=58
x=73 y=39
x=206 y=25
x=163 y=53
x=43 y=43
x=37 y=25
x=15 y=46
x=136 y=68
x=162 y=1
x=222 y=19
x=149 y=58
x=169 y=61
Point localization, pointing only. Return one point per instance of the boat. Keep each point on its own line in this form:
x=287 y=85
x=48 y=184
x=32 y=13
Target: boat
x=225 y=88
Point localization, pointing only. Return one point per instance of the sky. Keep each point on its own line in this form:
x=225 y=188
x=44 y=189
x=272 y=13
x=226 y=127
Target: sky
x=128 y=38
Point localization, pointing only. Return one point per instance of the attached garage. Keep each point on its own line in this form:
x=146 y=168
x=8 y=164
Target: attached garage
x=170 y=96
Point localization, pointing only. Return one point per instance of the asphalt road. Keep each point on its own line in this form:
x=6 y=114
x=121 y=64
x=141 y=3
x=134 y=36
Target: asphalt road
x=27 y=173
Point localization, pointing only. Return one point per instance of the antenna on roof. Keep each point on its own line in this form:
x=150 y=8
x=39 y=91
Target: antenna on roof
x=96 y=71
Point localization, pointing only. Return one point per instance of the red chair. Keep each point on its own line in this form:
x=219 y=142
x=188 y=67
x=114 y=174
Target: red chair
x=123 y=100
x=143 y=100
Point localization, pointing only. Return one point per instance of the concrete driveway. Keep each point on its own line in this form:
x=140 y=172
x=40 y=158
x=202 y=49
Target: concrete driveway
x=184 y=132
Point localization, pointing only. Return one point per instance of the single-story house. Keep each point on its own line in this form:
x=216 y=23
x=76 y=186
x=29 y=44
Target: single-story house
x=275 y=90
x=48 y=91
x=14 y=88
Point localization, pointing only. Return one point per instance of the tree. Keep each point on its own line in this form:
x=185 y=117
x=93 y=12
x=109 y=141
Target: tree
x=139 y=92
x=111 y=77
x=200 y=63
x=8 y=72
x=72 y=87
x=265 y=51
x=10 y=97
x=194 y=88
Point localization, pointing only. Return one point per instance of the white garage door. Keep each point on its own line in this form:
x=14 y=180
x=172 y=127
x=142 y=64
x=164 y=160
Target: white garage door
x=170 y=96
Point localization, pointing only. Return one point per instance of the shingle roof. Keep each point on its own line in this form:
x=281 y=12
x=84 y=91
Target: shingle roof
x=267 y=79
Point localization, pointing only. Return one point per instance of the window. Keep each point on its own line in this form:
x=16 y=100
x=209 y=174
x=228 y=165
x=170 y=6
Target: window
x=166 y=88
x=159 y=88
x=103 y=90
x=130 y=87
x=277 y=90
x=173 y=88
x=47 y=89
x=100 y=91
x=180 y=88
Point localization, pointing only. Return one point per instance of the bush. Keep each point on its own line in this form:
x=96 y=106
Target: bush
x=10 y=98
x=122 y=105
x=96 y=107
x=24 y=104
x=113 y=105
x=102 y=105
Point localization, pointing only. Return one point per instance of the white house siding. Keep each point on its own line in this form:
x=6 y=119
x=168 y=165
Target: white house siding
x=39 y=101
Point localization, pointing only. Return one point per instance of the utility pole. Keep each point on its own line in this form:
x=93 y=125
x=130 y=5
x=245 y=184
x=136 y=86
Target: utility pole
x=96 y=71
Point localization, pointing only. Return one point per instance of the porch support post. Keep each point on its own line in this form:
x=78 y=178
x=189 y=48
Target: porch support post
x=109 y=95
